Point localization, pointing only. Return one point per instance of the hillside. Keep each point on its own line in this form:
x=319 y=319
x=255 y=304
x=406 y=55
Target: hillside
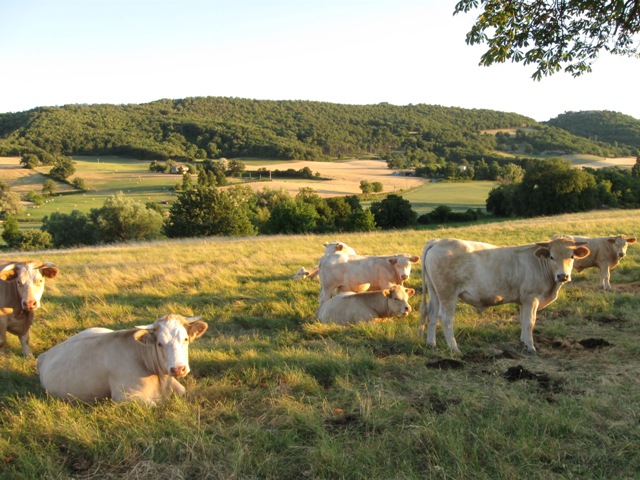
x=605 y=126
x=274 y=394
x=211 y=127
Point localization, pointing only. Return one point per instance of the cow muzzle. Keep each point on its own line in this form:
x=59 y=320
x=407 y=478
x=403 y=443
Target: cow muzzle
x=621 y=254
x=404 y=277
x=29 y=305
x=179 y=371
x=563 y=277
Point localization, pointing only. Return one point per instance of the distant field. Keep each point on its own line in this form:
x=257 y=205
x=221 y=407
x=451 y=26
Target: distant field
x=459 y=196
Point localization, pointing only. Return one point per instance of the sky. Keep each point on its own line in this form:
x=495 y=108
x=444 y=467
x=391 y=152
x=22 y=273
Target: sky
x=341 y=51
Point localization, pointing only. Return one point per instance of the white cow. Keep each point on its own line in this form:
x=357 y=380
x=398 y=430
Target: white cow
x=141 y=363
x=334 y=252
x=483 y=275
x=349 y=308
x=21 y=289
x=359 y=273
x=606 y=253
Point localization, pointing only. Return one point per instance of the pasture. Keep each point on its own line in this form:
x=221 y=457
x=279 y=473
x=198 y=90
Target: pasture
x=460 y=196
x=274 y=394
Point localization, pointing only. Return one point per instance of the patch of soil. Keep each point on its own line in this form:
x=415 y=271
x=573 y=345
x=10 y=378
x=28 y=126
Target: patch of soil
x=606 y=319
x=483 y=357
x=434 y=403
x=592 y=343
x=446 y=364
x=545 y=382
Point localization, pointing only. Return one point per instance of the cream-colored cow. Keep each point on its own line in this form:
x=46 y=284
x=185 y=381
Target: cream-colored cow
x=359 y=273
x=349 y=308
x=21 y=289
x=483 y=275
x=606 y=253
x=141 y=363
x=334 y=252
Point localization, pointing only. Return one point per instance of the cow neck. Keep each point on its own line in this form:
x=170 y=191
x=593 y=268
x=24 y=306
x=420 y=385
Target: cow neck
x=550 y=278
x=150 y=358
x=395 y=273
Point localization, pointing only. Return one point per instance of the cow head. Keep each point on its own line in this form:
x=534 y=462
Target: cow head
x=398 y=300
x=172 y=335
x=338 y=247
x=620 y=243
x=29 y=281
x=560 y=254
x=401 y=264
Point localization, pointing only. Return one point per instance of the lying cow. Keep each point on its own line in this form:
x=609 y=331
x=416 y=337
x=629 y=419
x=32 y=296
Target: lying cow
x=141 y=363
x=359 y=274
x=606 y=253
x=21 y=289
x=349 y=308
x=334 y=252
x=483 y=275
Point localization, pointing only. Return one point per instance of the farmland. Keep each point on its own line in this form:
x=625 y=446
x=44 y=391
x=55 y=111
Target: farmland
x=275 y=394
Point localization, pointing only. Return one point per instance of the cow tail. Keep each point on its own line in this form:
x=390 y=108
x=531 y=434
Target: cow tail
x=425 y=276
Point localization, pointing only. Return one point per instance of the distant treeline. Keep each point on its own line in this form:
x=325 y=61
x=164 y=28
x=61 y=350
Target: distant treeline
x=212 y=127
x=606 y=126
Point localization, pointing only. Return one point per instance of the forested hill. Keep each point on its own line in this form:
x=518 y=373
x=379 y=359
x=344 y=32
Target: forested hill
x=605 y=126
x=212 y=127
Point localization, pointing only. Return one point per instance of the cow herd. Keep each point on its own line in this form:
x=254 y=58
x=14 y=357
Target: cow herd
x=144 y=362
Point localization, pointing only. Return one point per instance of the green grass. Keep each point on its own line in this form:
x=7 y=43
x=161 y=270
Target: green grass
x=460 y=196
x=274 y=394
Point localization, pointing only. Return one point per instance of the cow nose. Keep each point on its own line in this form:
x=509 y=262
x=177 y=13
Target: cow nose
x=29 y=305
x=563 y=277
x=404 y=277
x=621 y=254
x=407 y=310
x=179 y=371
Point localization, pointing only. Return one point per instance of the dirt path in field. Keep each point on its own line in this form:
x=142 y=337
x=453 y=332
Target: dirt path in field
x=344 y=177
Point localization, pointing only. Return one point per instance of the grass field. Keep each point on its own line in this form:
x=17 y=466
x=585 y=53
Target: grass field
x=273 y=394
x=460 y=196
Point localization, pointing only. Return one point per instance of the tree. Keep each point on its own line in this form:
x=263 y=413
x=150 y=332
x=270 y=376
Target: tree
x=49 y=187
x=366 y=187
x=11 y=231
x=30 y=160
x=122 y=219
x=9 y=203
x=69 y=230
x=33 y=240
x=80 y=184
x=205 y=211
x=63 y=169
x=393 y=212
x=290 y=216
x=553 y=35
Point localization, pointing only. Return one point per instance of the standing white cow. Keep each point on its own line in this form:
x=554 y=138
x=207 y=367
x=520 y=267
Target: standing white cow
x=606 y=253
x=359 y=273
x=21 y=289
x=334 y=252
x=483 y=275
x=141 y=363
x=349 y=307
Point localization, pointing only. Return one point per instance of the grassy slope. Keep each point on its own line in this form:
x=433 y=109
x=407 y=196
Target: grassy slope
x=460 y=196
x=274 y=394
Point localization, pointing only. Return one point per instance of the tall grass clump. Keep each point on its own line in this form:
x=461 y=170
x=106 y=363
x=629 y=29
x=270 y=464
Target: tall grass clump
x=275 y=394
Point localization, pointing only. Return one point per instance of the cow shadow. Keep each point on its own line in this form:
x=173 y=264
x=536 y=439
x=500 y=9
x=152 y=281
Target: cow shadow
x=18 y=378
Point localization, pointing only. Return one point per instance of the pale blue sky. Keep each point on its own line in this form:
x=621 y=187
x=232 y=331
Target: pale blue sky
x=57 y=52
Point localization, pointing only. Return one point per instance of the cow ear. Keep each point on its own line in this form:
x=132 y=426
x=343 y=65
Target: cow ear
x=144 y=335
x=339 y=246
x=414 y=259
x=611 y=239
x=387 y=293
x=411 y=292
x=581 y=252
x=543 y=252
x=196 y=329
x=631 y=240
x=9 y=272
x=392 y=260
x=49 y=270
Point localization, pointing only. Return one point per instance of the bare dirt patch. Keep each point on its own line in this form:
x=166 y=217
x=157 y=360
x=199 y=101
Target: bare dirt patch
x=344 y=177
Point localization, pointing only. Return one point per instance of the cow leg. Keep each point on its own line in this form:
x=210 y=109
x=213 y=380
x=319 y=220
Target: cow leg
x=3 y=331
x=24 y=343
x=447 y=311
x=177 y=387
x=430 y=313
x=606 y=278
x=527 y=322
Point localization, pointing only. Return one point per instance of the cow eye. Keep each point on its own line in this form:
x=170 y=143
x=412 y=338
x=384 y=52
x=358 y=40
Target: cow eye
x=160 y=344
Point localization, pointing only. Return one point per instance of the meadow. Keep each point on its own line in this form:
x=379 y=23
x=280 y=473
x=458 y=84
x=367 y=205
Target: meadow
x=274 y=394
